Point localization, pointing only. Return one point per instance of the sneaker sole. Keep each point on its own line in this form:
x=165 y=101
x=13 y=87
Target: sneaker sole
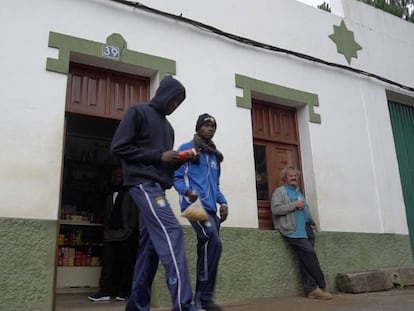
x=320 y=297
x=99 y=299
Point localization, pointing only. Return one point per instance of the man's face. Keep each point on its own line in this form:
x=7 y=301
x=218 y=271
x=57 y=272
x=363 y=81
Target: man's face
x=292 y=178
x=207 y=130
x=174 y=103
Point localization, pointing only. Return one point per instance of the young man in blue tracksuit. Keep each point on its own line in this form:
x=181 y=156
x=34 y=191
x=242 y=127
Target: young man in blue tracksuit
x=144 y=141
x=199 y=178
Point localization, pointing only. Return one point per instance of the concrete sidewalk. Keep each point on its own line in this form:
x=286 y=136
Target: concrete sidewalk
x=391 y=300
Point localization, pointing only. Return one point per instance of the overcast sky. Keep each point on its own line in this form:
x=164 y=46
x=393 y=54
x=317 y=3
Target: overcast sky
x=314 y=2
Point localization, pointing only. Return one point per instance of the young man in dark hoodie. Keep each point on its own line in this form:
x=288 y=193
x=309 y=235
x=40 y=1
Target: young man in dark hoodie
x=144 y=142
x=200 y=178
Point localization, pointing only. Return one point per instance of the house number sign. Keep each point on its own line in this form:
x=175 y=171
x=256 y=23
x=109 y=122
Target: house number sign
x=110 y=51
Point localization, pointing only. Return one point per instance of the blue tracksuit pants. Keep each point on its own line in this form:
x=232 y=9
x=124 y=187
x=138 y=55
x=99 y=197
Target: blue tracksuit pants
x=209 y=250
x=161 y=238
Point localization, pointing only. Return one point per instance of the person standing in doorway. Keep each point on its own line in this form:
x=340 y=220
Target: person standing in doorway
x=120 y=243
x=144 y=142
x=199 y=179
x=291 y=216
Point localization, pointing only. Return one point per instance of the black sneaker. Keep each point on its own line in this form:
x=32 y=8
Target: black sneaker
x=99 y=297
x=210 y=306
x=121 y=298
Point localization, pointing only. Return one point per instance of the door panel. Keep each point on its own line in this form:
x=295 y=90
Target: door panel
x=276 y=145
x=270 y=159
x=282 y=125
x=87 y=92
x=124 y=92
x=259 y=121
x=103 y=93
x=280 y=156
x=402 y=120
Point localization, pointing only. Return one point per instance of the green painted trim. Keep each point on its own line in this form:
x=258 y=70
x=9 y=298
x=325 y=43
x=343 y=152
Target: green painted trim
x=345 y=42
x=250 y=85
x=67 y=44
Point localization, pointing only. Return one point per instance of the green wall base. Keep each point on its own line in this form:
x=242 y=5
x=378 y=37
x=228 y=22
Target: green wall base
x=254 y=264
x=27 y=264
x=259 y=263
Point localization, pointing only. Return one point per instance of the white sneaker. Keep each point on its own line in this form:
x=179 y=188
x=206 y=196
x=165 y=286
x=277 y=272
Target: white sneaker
x=99 y=297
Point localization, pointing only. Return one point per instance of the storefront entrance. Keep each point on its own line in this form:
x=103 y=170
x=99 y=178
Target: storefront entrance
x=95 y=102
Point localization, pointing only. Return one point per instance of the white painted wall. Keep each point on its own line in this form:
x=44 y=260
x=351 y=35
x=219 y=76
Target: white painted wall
x=31 y=122
x=350 y=169
x=386 y=39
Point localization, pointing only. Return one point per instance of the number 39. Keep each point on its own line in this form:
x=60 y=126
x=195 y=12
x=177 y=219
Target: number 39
x=110 y=51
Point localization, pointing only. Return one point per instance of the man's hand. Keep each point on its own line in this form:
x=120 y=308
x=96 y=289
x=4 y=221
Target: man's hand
x=224 y=211
x=189 y=155
x=299 y=204
x=170 y=156
x=192 y=195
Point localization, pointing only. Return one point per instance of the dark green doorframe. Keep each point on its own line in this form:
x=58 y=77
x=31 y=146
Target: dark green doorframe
x=402 y=121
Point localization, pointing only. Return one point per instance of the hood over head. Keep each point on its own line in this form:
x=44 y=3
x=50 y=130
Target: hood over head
x=169 y=89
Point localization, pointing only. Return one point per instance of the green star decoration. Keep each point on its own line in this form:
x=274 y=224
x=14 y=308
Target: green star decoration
x=345 y=42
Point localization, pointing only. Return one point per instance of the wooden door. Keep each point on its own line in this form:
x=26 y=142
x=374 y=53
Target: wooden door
x=103 y=93
x=276 y=145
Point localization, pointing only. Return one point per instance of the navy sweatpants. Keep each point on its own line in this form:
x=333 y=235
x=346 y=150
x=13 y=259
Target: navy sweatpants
x=161 y=238
x=209 y=250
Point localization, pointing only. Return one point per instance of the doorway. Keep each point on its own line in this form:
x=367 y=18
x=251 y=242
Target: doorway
x=275 y=145
x=87 y=170
x=402 y=120
x=96 y=100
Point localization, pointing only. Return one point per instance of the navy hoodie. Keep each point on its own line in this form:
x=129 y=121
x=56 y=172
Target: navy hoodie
x=144 y=134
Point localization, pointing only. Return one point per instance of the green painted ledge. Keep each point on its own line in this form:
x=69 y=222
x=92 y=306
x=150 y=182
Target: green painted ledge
x=255 y=263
